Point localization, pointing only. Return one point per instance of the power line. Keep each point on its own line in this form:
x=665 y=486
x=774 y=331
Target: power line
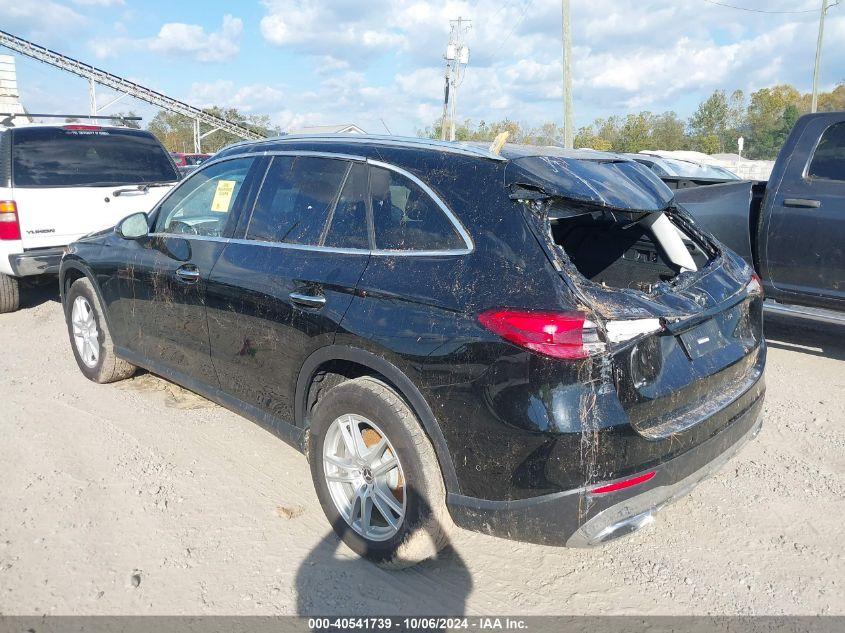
x=518 y=21
x=750 y=10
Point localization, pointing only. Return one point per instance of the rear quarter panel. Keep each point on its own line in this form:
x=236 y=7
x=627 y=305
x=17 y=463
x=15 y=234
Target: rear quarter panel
x=421 y=314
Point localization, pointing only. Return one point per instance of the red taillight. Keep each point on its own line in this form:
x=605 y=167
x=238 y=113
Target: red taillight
x=90 y=128
x=557 y=334
x=626 y=483
x=10 y=228
x=755 y=286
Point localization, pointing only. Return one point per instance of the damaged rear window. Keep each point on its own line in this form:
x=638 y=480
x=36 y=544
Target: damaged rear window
x=613 y=219
x=614 y=251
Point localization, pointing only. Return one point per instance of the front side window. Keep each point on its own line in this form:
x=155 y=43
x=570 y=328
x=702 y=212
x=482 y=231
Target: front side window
x=829 y=158
x=294 y=203
x=202 y=205
x=406 y=218
x=88 y=156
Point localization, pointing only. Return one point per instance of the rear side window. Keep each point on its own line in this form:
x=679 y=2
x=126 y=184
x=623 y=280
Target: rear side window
x=88 y=156
x=294 y=202
x=407 y=218
x=829 y=158
x=348 y=228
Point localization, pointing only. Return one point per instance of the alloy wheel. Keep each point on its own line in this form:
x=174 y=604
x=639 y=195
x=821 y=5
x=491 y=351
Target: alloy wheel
x=364 y=477
x=86 y=336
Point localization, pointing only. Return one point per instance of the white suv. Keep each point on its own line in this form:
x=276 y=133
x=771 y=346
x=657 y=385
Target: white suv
x=60 y=182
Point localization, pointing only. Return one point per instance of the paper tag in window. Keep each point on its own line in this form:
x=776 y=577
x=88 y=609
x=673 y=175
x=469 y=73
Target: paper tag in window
x=223 y=196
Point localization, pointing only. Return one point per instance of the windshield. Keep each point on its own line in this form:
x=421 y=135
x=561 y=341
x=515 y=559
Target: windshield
x=78 y=156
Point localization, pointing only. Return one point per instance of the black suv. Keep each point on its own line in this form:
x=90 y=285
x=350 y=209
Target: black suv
x=537 y=344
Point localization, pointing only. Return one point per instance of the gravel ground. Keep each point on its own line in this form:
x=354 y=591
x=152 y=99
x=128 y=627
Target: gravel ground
x=142 y=498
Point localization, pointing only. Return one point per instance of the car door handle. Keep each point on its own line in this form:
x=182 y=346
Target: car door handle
x=308 y=301
x=188 y=274
x=804 y=203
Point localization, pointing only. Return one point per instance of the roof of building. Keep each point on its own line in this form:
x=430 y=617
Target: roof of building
x=343 y=128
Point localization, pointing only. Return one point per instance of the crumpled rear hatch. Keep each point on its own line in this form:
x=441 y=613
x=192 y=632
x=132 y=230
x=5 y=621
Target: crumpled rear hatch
x=680 y=316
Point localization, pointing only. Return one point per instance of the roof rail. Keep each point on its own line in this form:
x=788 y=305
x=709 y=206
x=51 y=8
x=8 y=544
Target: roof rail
x=7 y=118
x=382 y=139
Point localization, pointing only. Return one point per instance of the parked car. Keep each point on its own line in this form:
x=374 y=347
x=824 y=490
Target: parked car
x=188 y=160
x=537 y=345
x=188 y=163
x=791 y=229
x=59 y=182
x=674 y=167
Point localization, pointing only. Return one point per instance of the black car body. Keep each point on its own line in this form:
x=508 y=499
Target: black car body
x=791 y=229
x=569 y=439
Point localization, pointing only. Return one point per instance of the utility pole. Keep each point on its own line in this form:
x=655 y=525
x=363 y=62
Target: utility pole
x=457 y=58
x=567 y=78
x=815 y=103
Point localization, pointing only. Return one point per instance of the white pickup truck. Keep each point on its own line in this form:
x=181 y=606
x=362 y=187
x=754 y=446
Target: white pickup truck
x=60 y=182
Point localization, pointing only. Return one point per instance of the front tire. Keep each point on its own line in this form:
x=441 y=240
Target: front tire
x=10 y=294
x=377 y=475
x=89 y=334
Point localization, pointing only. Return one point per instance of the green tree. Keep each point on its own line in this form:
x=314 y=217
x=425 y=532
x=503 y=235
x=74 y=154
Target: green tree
x=176 y=132
x=765 y=120
x=767 y=116
x=668 y=132
x=708 y=124
x=718 y=122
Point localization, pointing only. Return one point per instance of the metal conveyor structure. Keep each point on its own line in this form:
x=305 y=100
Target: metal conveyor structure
x=129 y=88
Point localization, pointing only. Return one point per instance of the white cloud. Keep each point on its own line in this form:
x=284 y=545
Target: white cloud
x=340 y=29
x=192 y=40
x=38 y=16
x=249 y=99
x=177 y=39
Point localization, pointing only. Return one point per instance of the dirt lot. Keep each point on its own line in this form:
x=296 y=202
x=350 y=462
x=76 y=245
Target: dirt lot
x=142 y=498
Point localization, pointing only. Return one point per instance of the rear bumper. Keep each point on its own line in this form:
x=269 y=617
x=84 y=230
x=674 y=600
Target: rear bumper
x=42 y=261
x=578 y=518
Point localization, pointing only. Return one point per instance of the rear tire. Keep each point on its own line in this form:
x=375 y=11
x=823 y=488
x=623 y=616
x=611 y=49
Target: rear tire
x=10 y=294
x=415 y=485
x=89 y=334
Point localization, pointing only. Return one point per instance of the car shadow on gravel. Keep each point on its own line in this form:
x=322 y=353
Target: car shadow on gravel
x=34 y=294
x=332 y=581
x=797 y=335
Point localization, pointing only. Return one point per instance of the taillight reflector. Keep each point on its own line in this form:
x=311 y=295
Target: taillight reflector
x=557 y=334
x=626 y=483
x=10 y=228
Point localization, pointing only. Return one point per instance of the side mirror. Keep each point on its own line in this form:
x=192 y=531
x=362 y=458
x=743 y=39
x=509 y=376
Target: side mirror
x=133 y=227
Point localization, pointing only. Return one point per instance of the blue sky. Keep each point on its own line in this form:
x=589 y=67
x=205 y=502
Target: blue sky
x=308 y=62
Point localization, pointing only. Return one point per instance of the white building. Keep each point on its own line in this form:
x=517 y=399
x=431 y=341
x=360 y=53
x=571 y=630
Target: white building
x=10 y=102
